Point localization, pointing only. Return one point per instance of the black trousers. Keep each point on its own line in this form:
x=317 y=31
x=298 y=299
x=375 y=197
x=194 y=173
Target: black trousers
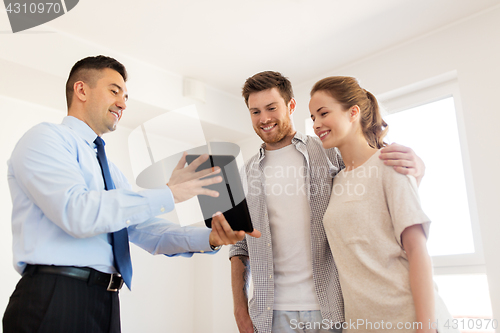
x=48 y=303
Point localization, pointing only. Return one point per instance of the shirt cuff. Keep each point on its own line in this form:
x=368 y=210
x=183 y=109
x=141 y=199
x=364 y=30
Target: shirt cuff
x=205 y=240
x=161 y=201
x=199 y=236
x=237 y=251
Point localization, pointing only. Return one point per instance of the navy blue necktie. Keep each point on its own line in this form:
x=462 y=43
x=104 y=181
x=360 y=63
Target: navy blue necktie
x=119 y=239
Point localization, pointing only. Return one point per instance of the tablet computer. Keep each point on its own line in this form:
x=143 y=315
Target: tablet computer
x=231 y=200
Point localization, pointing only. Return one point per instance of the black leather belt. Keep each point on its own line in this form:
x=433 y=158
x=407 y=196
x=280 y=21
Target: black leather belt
x=112 y=282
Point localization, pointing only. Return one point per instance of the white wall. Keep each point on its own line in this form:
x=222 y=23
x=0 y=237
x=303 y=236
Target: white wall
x=472 y=48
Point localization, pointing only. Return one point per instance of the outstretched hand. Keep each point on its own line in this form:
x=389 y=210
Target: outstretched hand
x=403 y=160
x=222 y=234
x=185 y=182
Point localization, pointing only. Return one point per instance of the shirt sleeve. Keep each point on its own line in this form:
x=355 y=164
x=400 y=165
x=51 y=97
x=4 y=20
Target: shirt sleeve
x=46 y=166
x=158 y=236
x=402 y=199
x=239 y=249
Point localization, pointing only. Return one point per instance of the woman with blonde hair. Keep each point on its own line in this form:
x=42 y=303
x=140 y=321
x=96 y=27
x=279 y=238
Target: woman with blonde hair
x=375 y=225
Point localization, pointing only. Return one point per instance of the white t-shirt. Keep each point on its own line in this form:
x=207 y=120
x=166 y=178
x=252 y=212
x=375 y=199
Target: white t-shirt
x=289 y=218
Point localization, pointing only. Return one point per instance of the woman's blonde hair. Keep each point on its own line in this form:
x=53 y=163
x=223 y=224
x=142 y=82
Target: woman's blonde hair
x=347 y=91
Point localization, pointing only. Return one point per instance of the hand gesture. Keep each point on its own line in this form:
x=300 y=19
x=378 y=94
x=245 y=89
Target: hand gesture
x=185 y=182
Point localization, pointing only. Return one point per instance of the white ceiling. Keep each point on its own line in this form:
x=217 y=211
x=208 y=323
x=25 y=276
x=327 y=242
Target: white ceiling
x=222 y=42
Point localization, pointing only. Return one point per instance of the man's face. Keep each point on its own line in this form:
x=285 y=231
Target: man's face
x=271 y=115
x=106 y=102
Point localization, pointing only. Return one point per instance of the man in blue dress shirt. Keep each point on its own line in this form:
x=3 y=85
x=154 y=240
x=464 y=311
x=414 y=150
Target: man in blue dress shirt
x=63 y=216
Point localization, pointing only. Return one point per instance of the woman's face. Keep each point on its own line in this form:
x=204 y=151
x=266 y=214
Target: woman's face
x=332 y=124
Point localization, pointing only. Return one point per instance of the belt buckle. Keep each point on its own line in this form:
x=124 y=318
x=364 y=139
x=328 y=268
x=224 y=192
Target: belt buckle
x=115 y=282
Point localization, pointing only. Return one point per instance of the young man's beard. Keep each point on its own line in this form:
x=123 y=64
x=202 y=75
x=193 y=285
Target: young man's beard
x=283 y=129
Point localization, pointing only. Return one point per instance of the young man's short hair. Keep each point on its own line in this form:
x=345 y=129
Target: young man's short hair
x=87 y=70
x=268 y=80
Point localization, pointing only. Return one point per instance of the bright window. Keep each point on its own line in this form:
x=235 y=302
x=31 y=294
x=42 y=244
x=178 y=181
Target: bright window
x=431 y=131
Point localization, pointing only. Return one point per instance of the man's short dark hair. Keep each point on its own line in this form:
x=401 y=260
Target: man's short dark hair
x=87 y=70
x=268 y=80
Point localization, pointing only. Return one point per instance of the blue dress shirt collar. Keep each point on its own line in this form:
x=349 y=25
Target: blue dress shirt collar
x=81 y=129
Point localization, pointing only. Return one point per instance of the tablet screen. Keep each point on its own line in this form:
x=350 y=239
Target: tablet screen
x=231 y=200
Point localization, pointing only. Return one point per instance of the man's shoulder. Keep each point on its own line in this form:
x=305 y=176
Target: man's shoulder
x=43 y=127
x=318 y=153
x=41 y=132
x=47 y=129
x=313 y=140
x=309 y=140
x=43 y=140
x=251 y=161
x=45 y=136
x=253 y=158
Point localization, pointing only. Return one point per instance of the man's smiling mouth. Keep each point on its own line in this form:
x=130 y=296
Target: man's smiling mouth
x=268 y=128
x=115 y=113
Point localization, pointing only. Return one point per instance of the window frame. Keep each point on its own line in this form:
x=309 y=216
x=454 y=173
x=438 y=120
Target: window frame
x=425 y=92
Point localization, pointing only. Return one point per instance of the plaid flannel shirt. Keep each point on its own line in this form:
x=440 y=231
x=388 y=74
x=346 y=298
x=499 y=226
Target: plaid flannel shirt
x=321 y=165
